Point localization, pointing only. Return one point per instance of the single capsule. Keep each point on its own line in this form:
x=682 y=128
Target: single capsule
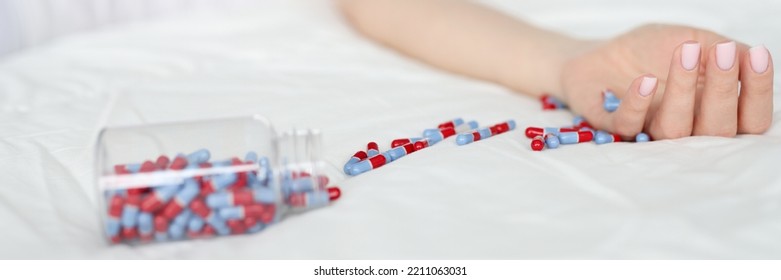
x=610 y=101
x=398 y=142
x=199 y=156
x=551 y=141
x=452 y=123
x=403 y=150
x=642 y=137
x=537 y=143
x=604 y=137
x=358 y=156
x=532 y=131
x=372 y=149
x=575 y=137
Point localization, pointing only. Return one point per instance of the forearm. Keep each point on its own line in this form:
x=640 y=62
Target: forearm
x=467 y=39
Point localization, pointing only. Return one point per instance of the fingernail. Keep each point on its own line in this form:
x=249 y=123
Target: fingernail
x=690 y=55
x=760 y=59
x=725 y=55
x=647 y=85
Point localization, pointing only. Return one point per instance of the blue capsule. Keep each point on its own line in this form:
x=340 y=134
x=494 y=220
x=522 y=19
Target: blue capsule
x=199 y=156
x=552 y=141
x=195 y=224
x=251 y=157
x=256 y=228
x=145 y=224
x=604 y=137
x=112 y=227
x=133 y=167
x=218 y=224
x=129 y=217
x=610 y=102
x=231 y=213
x=642 y=137
x=190 y=190
x=401 y=151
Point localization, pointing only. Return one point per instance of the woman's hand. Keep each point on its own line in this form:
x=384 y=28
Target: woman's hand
x=674 y=82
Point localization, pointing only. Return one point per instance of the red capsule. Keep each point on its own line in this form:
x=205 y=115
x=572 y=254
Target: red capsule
x=360 y=155
x=199 y=208
x=447 y=132
x=450 y=123
x=162 y=162
x=121 y=169
x=129 y=233
x=262 y=212
x=334 y=193
x=236 y=226
x=372 y=146
x=538 y=143
x=208 y=230
x=115 y=206
x=398 y=142
x=179 y=163
x=161 y=224
x=421 y=144
x=171 y=210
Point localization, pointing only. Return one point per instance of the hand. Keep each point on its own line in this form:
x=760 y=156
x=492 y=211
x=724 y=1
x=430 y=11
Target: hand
x=694 y=93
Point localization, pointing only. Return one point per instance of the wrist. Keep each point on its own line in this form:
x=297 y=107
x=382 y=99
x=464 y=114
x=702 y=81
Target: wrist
x=538 y=62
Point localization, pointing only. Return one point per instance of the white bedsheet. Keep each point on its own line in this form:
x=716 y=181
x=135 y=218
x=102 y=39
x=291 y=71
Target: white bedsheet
x=299 y=64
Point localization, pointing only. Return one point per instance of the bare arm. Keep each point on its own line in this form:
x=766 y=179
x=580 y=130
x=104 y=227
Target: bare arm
x=467 y=39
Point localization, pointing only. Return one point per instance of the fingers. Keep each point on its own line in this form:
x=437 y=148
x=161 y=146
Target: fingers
x=755 y=107
x=629 y=119
x=675 y=116
x=718 y=106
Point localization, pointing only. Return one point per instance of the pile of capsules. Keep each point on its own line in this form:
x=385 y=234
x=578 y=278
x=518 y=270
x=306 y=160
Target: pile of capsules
x=207 y=198
x=363 y=161
x=580 y=131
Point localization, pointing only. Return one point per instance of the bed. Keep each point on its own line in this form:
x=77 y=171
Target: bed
x=299 y=64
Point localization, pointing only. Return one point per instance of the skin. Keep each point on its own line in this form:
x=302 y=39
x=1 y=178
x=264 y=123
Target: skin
x=472 y=40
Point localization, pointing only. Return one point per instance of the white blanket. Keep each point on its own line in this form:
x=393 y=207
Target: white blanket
x=299 y=64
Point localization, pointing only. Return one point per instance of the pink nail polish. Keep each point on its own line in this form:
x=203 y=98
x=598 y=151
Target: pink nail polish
x=647 y=85
x=690 y=55
x=725 y=55
x=760 y=58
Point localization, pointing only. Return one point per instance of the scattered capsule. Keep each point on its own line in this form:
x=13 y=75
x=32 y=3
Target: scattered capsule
x=532 y=131
x=580 y=122
x=610 y=102
x=642 y=137
x=421 y=144
x=537 y=143
x=372 y=149
x=402 y=141
x=358 y=156
x=603 y=137
x=453 y=123
x=370 y=163
x=575 y=137
x=502 y=127
x=403 y=150
x=434 y=135
x=552 y=141
x=473 y=136
x=551 y=103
